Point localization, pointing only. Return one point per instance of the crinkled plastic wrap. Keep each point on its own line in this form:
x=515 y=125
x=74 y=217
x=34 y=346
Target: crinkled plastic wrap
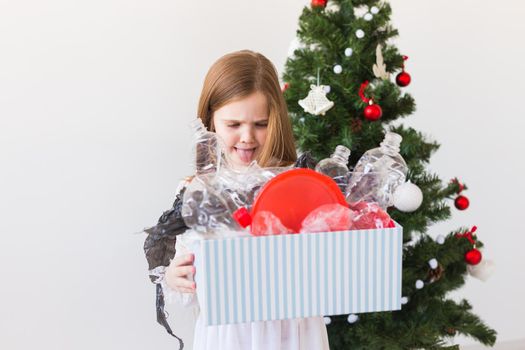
x=336 y=217
x=328 y=218
x=265 y=223
x=159 y=248
x=370 y=216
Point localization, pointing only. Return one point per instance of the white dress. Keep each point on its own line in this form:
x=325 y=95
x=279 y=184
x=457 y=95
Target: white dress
x=293 y=334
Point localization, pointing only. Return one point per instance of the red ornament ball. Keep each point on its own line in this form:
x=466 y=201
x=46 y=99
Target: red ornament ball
x=403 y=79
x=373 y=112
x=461 y=202
x=473 y=256
x=318 y=3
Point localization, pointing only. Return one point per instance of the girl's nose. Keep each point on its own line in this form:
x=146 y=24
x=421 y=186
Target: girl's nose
x=247 y=135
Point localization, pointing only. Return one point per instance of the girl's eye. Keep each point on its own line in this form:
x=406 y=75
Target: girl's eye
x=262 y=125
x=233 y=125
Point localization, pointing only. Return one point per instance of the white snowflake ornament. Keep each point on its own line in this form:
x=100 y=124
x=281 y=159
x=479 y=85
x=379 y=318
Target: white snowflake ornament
x=316 y=102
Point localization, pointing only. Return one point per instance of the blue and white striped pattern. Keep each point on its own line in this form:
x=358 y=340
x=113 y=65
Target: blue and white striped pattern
x=248 y=279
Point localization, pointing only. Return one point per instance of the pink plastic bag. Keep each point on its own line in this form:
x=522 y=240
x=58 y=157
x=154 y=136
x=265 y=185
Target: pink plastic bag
x=370 y=216
x=265 y=223
x=329 y=217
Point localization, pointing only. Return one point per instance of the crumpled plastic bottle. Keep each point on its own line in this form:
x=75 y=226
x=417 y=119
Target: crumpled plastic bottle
x=378 y=173
x=206 y=209
x=336 y=166
x=208 y=149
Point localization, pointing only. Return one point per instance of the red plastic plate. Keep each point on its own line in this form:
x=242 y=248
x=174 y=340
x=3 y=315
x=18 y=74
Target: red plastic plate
x=292 y=195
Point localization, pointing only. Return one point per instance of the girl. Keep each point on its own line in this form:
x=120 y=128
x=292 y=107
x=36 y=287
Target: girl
x=242 y=102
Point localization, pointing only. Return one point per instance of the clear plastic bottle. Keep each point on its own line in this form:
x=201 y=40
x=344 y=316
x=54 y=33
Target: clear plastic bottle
x=218 y=198
x=336 y=166
x=209 y=206
x=208 y=149
x=207 y=210
x=378 y=173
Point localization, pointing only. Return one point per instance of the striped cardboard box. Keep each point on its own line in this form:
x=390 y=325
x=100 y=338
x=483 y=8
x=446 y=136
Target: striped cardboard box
x=247 y=279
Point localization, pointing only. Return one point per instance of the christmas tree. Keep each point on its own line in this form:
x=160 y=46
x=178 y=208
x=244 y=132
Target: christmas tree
x=340 y=89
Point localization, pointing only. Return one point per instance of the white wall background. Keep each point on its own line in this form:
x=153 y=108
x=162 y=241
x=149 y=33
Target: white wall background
x=95 y=97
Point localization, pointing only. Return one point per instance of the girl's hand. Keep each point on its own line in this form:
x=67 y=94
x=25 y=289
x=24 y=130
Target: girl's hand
x=179 y=275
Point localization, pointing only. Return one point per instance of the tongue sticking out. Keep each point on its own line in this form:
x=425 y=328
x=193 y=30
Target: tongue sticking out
x=245 y=154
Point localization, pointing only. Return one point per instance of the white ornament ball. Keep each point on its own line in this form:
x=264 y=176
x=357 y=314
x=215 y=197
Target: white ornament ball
x=440 y=239
x=327 y=320
x=408 y=197
x=338 y=69
x=301 y=119
x=374 y=10
x=419 y=284
x=352 y=318
x=433 y=263
x=348 y=52
x=404 y=300
x=360 y=33
x=368 y=17
x=327 y=88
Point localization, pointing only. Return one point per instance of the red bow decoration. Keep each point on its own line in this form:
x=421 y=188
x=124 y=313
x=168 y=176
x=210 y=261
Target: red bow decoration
x=461 y=186
x=468 y=235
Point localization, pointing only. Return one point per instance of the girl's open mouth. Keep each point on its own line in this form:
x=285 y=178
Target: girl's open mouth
x=245 y=154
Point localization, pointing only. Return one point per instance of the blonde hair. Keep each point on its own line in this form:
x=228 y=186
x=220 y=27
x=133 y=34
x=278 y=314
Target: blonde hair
x=238 y=75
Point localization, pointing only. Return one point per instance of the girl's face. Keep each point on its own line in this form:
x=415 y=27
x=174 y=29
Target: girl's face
x=242 y=125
